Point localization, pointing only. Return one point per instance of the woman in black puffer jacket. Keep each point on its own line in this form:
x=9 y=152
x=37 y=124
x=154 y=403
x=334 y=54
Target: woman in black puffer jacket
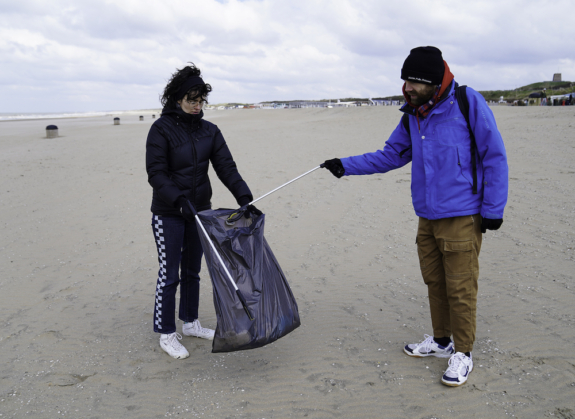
x=179 y=148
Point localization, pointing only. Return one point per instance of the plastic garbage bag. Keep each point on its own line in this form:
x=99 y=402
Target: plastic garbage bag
x=253 y=266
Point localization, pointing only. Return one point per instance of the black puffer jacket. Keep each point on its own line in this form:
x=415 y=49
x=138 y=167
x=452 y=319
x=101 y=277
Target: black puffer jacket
x=178 y=152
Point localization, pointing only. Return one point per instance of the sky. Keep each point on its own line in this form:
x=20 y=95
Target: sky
x=96 y=55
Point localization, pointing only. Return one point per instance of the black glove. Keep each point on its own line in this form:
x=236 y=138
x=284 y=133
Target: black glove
x=252 y=211
x=185 y=207
x=490 y=224
x=245 y=200
x=334 y=166
x=246 y=211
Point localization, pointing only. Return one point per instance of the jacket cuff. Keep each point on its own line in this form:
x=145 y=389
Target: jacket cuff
x=244 y=200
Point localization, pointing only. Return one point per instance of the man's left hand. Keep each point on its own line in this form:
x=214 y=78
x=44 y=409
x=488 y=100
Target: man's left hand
x=490 y=224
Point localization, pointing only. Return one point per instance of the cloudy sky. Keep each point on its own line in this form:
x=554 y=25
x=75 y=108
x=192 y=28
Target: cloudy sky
x=96 y=55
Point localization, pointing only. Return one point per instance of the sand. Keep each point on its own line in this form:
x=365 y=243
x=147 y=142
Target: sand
x=78 y=272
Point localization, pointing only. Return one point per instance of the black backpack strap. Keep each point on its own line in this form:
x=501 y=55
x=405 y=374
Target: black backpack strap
x=461 y=96
x=405 y=122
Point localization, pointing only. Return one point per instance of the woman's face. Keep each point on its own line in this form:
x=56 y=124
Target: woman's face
x=192 y=106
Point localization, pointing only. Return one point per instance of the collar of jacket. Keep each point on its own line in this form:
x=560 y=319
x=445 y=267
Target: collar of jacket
x=186 y=119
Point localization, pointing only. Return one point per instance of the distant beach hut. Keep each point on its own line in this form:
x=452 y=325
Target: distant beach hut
x=141 y=118
x=558 y=100
x=51 y=131
x=116 y=121
x=535 y=99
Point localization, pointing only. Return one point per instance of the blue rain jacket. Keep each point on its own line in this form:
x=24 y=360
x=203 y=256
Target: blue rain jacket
x=439 y=148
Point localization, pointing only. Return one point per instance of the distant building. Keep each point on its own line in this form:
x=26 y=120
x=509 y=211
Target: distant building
x=382 y=102
x=557 y=77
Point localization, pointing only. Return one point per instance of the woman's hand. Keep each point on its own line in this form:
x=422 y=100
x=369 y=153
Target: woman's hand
x=252 y=210
x=186 y=209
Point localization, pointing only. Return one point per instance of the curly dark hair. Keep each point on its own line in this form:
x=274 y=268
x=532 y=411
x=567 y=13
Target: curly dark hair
x=168 y=99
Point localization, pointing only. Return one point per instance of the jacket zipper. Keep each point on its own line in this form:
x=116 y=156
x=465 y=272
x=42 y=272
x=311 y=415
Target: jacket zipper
x=195 y=160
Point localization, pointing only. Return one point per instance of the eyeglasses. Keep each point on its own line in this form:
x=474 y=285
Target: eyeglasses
x=195 y=103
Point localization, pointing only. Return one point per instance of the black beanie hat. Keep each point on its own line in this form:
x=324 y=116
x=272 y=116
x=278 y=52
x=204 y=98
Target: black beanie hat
x=424 y=65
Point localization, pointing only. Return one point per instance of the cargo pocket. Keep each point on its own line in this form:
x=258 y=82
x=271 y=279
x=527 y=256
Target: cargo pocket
x=457 y=257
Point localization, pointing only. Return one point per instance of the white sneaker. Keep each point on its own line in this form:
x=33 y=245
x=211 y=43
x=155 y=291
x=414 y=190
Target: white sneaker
x=195 y=329
x=170 y=344
x=429 y=347
x=460 y=365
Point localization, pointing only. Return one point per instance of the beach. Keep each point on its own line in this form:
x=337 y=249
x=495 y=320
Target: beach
x=79 y=269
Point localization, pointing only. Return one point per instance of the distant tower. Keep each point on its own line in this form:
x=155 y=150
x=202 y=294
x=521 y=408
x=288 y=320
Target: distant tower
x=557 y=77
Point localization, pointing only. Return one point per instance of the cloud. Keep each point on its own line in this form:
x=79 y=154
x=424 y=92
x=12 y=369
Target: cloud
x=104 y=55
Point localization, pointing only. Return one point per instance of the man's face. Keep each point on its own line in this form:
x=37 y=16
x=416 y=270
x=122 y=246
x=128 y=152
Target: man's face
x=419 y=93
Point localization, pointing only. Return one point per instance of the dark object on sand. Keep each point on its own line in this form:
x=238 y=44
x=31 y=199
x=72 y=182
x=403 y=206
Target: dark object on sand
x=141 y=118
x=116 y=121
x=51 y=131
x=269 y=310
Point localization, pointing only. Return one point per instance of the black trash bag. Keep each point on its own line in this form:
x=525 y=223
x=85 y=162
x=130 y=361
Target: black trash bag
x=253 y=266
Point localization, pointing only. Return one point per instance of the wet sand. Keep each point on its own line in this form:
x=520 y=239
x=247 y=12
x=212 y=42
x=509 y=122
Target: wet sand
x=79 y=267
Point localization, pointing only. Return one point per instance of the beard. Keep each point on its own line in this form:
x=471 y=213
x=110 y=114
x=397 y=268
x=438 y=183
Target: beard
x=422 y=96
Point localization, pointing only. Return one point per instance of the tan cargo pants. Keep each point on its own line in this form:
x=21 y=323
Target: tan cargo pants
x=448 y=252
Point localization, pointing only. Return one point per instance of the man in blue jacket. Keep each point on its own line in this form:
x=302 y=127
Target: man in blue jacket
x=453 y=208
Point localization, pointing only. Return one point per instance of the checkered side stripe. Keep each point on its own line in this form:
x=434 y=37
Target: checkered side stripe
x=159 y=233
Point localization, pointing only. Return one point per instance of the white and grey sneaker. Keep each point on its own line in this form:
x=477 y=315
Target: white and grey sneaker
x=170 y=343
x=195 y=329
x=429 y=347
x=460 y=365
